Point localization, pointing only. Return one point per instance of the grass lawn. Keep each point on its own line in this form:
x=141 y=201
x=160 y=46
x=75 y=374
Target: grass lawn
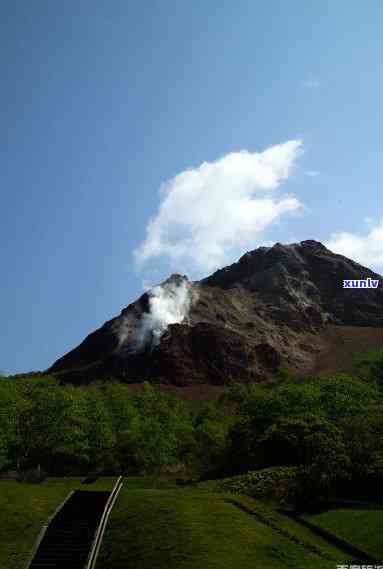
x=104 y=483
x=24 y=508
x=362 y=528
x=184 y=528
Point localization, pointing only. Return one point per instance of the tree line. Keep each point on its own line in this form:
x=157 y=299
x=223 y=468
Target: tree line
x=330 y=427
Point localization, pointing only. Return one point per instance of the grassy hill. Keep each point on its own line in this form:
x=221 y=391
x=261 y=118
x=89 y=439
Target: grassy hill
x=24 y=508
x=156 y=524
x=158 y=528
x=362 y=528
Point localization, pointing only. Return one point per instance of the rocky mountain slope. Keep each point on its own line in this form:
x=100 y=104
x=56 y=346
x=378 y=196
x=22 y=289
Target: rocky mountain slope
x=272 y=308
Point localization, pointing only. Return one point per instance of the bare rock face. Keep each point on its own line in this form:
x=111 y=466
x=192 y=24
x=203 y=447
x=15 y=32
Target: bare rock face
x=306 y=278
x=242 y=323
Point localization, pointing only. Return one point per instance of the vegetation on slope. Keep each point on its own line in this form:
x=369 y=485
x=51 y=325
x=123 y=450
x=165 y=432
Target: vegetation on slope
x=361 y=528
x=188 y=529
x=330 y=429
x=24 y=508
x=294 y=440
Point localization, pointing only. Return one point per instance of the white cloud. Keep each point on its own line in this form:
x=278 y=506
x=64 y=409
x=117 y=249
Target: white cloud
x=209 y=213
x=365 y=249
x=311 y=83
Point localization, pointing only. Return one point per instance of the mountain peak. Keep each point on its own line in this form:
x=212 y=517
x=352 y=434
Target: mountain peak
x=244 y=321
x=312 y=243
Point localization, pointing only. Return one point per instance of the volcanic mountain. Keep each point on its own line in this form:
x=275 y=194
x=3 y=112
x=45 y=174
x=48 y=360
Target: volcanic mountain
x=281 y=306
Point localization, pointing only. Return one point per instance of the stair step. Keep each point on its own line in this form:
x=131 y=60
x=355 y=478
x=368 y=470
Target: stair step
x=66 y=543
x=62 y=552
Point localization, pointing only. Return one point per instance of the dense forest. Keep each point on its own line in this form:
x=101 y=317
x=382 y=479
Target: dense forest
x=316 y=436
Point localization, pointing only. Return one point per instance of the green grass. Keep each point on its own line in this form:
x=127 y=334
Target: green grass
x=149 y=482
x=24 y=508
x=265 y=509
x=179 y=528
x=103 y=483
x=362 y=528
x=157 y=525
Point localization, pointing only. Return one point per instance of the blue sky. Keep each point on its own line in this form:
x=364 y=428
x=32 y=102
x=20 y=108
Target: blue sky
x=216 y=126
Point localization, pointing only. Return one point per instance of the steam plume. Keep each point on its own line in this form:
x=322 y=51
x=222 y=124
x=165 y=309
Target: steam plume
x=169 y=303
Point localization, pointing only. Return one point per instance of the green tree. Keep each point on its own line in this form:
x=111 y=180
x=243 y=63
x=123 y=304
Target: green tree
x=376 y=372
x=70 y=453
x=313 y=444
x=9 y=408
x=211 y=426
x=344 y=395
x=100 y=432
x=36 y=417
x=363 y=436
x=125 y=423
x=163 y=434
x=369 y=366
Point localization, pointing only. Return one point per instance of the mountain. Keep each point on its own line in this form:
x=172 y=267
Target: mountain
x=280 y=306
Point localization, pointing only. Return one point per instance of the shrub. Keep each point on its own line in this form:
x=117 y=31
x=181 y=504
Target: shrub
x=32 y=476
x=277 y=482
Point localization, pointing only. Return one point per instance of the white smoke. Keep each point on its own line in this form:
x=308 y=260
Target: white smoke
x=169 y=303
